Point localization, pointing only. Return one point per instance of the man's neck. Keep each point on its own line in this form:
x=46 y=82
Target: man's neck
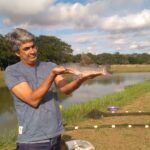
x=29 y=65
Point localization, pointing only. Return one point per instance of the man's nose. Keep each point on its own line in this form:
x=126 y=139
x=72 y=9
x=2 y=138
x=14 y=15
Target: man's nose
x=33 y=50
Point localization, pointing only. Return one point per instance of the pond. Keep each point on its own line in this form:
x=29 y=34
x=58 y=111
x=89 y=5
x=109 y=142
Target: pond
x=94 y=88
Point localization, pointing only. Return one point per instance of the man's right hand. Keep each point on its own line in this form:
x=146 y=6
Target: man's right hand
x=61 y=70
x=58 y=70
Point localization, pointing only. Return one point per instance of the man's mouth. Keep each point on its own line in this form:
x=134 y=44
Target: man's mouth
x=33 y=57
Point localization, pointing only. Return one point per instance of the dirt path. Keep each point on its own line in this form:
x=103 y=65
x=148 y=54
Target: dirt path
x=118 y=138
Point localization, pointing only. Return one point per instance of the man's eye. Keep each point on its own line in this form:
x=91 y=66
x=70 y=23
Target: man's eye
x=26 y=48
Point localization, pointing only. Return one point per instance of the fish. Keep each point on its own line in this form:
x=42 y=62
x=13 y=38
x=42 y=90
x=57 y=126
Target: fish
x=85 y=70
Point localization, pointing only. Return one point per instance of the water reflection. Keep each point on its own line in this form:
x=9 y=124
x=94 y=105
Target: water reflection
x=104 y=85
x=104 y=80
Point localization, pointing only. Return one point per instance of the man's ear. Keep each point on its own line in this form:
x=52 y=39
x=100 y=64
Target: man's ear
x=17 y=54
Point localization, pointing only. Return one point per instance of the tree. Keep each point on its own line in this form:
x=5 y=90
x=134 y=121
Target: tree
x=7 y=57
x=85 y=59
x=53 y=49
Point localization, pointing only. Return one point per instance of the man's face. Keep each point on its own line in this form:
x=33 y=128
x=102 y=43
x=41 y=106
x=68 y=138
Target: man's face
x=28 y=53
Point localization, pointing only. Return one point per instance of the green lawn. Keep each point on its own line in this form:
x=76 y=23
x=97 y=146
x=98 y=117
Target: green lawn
x=2 y=83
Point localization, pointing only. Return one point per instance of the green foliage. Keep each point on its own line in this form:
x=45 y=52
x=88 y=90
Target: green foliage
x=85 y=59
x=104 y=58
x=53 y=49
x=76 y=58
x=7 y=57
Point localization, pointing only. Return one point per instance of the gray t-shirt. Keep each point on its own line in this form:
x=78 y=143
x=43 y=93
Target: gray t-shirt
x=35 y=124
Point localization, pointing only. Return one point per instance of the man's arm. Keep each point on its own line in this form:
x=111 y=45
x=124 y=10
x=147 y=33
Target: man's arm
x=65 y=87
x=33 y=97
x=68 y=88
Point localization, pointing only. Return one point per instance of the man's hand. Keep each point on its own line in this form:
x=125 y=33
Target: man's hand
x=93 y=74
x=104 y=72
x=89 y=76
x=62 y=70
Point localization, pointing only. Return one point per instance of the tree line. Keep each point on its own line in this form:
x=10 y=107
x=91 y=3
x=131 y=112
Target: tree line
x=51 y=48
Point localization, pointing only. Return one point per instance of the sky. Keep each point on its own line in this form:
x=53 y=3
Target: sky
x=95 y=26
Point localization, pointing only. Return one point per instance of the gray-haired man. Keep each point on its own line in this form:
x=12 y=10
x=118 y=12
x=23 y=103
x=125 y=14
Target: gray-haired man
x=33 y=86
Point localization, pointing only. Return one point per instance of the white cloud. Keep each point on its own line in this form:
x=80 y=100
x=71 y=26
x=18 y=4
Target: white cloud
x=134 y=46
x=120 y=41
x=131 y=21
x=47 y=13
x=23 y=8
x=140 y=45
x=86 y=38
x=92 y=48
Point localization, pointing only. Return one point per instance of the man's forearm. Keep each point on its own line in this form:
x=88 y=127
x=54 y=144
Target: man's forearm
x=38 y=93
x=70 y=87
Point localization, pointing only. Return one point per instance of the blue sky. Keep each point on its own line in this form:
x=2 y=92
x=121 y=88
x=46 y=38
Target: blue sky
x=95 y=26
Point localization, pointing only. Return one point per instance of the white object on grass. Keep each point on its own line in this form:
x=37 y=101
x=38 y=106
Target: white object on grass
x=79 y=145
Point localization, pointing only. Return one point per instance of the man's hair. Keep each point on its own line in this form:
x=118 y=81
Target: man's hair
x=18 y=36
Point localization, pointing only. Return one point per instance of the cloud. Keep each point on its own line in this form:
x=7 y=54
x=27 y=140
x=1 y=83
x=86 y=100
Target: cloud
x=131 y=21
x=134 y=46
x=86 y=38
x=23 y=8
x=140 y=45
x=48 y=13
x=80 y=16
x=92 y=48
x=120 y=41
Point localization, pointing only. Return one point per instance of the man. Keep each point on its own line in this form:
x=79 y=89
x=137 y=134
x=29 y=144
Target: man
x=33 y=87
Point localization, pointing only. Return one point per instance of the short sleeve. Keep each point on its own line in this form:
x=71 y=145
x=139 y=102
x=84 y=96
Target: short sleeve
x=13 y=77
x=50 y=66
x=53 y=65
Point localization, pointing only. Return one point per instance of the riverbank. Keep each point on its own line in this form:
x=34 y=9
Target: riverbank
x=131 y=68
x=75 y=115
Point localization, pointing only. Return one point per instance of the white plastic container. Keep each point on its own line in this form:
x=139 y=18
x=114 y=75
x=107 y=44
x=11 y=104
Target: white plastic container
x=79 y=145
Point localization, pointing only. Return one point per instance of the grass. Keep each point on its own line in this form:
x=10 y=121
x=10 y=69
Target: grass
x=76 y=113
x=2 y=83
x=8 y=139
x=131 y=68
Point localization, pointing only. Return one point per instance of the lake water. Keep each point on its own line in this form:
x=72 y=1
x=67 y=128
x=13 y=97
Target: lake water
x=94 y=88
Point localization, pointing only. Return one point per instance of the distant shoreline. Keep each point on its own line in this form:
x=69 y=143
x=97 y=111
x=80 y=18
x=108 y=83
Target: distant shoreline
x=131 y=68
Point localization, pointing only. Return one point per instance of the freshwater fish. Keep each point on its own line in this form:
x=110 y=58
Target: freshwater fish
x=84 y=70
